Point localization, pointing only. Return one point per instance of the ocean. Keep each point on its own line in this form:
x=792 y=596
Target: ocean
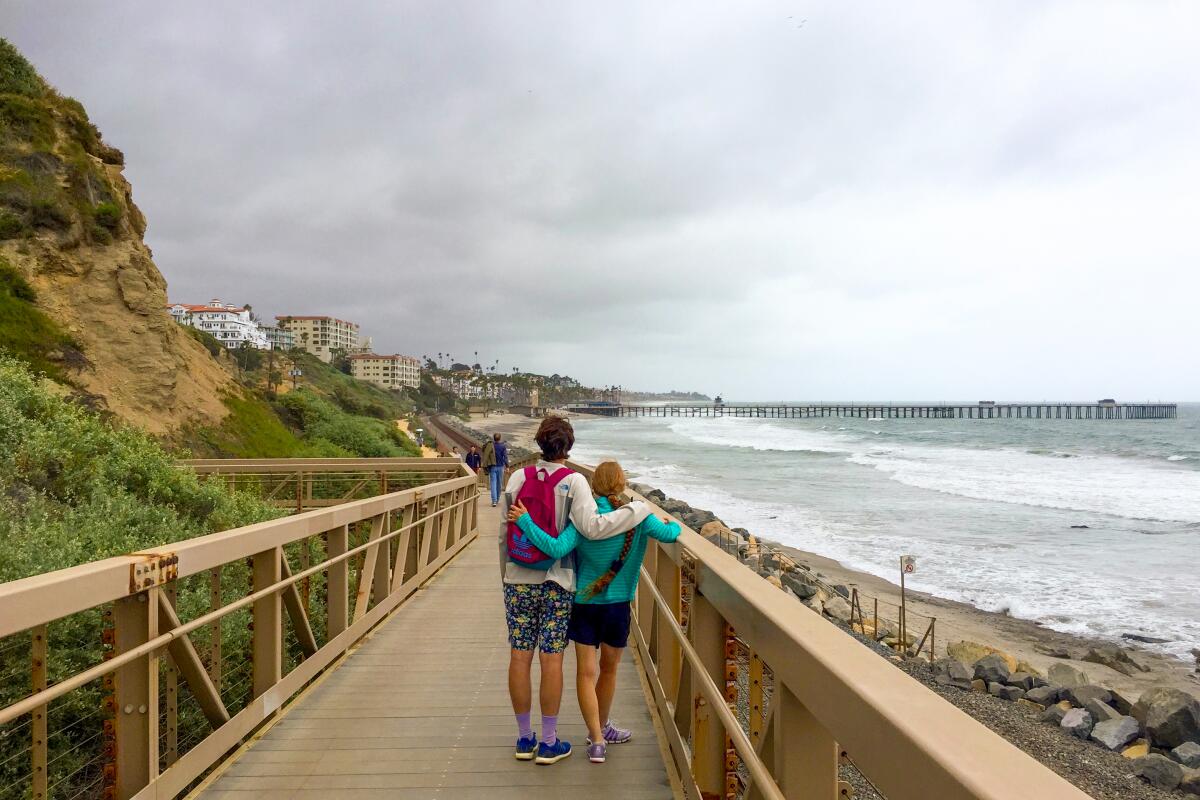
x=986 y=506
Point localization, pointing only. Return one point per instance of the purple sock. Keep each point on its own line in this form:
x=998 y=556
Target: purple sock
x=523 y=725
x=549 y=729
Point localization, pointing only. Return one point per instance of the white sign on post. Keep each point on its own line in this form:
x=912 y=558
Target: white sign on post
x=908 y=564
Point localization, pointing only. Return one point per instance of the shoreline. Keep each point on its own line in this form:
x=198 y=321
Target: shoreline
x=1023 y=639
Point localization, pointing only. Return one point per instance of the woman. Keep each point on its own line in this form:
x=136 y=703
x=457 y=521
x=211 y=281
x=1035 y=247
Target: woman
x=608 y=571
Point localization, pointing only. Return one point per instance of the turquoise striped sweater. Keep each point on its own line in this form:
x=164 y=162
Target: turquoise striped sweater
x=595 y=556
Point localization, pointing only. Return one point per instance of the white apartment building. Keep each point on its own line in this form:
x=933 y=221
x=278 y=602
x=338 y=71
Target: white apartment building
x=390 y=372
x=321 y=336
x=278 y=337
x=229 y=324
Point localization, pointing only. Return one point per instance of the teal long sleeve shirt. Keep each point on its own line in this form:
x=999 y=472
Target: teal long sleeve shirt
x=595 y=556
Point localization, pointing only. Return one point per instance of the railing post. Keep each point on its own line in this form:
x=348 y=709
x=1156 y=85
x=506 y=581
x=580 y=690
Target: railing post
x=706 y=631
x=669 y=658
x=268 y=622
x=214 y=629
x=39 y=651
x=337 y=602
x=171 y=691
x=135 y=622
x=806 y=756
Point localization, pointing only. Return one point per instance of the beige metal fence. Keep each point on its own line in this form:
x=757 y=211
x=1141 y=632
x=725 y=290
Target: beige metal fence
x=302 y=484
x=205 y=639
x=815 y=698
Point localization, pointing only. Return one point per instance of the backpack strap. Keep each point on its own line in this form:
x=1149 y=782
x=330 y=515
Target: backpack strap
x=530 y=473
x=558 y=475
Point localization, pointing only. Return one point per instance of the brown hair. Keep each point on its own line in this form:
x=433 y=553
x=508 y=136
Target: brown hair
x=608 y=481
x=555 y=437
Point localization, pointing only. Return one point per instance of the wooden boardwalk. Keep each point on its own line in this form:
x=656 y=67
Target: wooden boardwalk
x=421 y=710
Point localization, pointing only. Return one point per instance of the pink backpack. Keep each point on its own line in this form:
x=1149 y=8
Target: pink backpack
x=537 y=496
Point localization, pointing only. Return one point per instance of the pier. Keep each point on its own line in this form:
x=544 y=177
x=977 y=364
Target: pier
x=890 y=410
x=356 y=649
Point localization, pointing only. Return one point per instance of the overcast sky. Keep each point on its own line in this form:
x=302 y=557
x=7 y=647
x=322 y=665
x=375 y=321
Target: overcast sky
x=768 y=200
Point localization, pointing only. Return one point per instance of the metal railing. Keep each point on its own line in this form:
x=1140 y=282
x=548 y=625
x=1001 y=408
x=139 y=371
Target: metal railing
x=205 y=639
x=779 y=720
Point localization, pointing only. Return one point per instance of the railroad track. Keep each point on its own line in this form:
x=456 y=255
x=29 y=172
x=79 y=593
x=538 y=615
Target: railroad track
x=447 y=437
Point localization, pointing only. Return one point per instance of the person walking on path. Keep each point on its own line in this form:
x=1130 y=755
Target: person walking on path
x=606 y=582
x=538 y=599
x=495 y=459
x=473 y=458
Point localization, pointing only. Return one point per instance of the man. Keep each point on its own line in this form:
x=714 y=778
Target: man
x=495 y=459
x=537 y=602
x=473 y=459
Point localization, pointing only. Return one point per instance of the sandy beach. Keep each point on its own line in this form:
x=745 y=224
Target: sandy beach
x=1023 y=639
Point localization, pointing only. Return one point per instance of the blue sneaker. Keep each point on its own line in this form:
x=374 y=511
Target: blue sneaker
x=552 y=753
x=526 y=748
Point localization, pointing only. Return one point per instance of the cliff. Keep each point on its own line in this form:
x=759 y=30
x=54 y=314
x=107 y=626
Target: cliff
x=70 y=228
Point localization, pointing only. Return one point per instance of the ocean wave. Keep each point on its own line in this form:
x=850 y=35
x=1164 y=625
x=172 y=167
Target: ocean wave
x=1099 y=484
x=1178 y=458
x=755 y=434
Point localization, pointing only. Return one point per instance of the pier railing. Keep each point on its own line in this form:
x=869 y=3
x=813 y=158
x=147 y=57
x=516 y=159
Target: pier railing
x=881 y=411
x=761 y=697
x=147 y=669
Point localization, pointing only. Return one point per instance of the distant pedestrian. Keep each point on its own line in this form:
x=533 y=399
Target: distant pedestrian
x=495 y=459
x=474 y=459
x=458 y=453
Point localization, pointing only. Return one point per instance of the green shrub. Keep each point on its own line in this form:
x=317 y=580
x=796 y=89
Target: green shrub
x=26 y=120
x=108 y=215
x=49 y=214
x=11 y=226
x=74 y=489
x=17 y=75
x=362 y=436
x=205 y=338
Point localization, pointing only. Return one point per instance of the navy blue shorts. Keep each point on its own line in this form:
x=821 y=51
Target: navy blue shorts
x=595 y=624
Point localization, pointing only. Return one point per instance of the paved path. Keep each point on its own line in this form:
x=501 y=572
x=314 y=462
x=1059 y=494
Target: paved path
x=421 y=710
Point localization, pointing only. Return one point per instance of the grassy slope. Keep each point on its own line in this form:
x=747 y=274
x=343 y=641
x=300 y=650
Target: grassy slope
x=25 y=331
x=329 y=415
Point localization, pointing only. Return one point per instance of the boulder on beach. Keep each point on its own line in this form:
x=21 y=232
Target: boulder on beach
x=1030 y=669
x=838 y=608
x=1080 y=695
x=1159 y=771
x=1044 y=695
x=950 y=672
x=1170 y=716
x=1191 y=782
x=1021 y=679
x=1077 y=722
x=1005 y=692
x=1114 y=658
x=1137 y=748
x=801 y=586
x=1102 y=712
x=721 y=536
x=1054 y=714
x=1066 y=676
x=969 y=652
x=1115 y=733
x=1187 y=754
x=992 y=668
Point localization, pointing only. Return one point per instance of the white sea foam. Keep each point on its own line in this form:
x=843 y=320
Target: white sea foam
x=760 y=435
x=1130 y=488
x=1177 y=458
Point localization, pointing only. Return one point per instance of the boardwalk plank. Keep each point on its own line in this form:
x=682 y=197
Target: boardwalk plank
x=421 y=710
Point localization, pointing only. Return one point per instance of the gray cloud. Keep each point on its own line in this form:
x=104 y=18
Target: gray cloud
x=943 y=201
